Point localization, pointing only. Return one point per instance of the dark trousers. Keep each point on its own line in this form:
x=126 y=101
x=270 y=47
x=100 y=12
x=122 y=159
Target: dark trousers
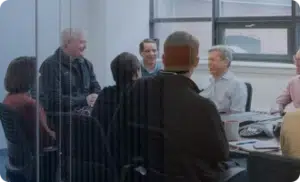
x=12 y=177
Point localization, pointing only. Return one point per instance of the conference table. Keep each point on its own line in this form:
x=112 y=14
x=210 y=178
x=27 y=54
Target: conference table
x=240 y=153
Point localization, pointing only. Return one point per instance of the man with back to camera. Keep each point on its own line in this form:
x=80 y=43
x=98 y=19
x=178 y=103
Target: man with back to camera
x=227 y=92
x=67 y=77
x=148 y=51
x=184 y=139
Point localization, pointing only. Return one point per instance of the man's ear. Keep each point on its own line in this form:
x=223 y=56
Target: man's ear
x=163 y=59
x=196 y=61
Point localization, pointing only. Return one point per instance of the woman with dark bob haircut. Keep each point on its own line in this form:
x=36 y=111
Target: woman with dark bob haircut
x=125 y=69
x=19 y=80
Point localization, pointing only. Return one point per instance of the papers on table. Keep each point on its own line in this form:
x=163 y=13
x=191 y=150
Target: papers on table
x=255 y=145
x=249 y=116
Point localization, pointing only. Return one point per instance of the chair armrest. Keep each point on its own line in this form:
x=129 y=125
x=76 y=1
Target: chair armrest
x=50 y=149
x=136 y=165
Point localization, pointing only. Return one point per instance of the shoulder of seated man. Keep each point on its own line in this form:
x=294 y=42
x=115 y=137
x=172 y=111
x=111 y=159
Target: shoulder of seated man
x=295 y=79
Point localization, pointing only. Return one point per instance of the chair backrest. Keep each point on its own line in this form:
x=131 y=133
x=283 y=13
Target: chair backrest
x=20 y=150
x=79 y=133
x=82 y=139
x=264 y=167
x=249 y=96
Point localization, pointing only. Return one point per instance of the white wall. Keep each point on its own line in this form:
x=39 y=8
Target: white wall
x=114 y=26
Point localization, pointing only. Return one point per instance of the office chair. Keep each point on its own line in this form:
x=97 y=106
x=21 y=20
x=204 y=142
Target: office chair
x=85 y=155
x=264 y=167
x=22 y=157
x=249 y=96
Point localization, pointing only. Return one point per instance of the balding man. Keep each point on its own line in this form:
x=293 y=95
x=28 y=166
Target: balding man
x=227 y=92
x=177 y=131
x=67 y=79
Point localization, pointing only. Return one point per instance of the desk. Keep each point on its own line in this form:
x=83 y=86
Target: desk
x=241 y=156
x=262 y=118
x=249 y=147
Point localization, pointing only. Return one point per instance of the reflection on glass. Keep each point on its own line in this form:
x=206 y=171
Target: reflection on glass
x=257 y=41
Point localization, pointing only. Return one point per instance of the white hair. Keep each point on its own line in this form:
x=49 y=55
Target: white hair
x=70 y=34
x=225 y=51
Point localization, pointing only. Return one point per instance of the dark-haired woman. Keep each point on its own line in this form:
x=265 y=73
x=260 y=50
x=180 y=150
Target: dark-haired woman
x=125 y=69
x=19 y=80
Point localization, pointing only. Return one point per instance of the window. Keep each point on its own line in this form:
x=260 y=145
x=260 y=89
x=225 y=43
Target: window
x=257 y=41
x=256 y=30
x=297 y=10
x=182 y=8
x=201 y=30
x=242 y=8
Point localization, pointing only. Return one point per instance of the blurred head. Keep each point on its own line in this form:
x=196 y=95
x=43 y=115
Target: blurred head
x=125 y=68
x=148 y=51
x=73 y=42
x=20 y=75
x=296 y=58
x=219 y=60
x=181 y=53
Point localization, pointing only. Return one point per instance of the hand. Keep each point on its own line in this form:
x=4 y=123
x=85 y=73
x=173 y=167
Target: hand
x=52 y=134
x=278 y=110
x=91 y=99
x=273 y=111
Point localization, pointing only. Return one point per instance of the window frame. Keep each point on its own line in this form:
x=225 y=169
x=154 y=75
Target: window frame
x=180 y=22
x=220 y=24
x=276 y=58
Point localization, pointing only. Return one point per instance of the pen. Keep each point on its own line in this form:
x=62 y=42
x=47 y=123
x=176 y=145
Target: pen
x=242 y=143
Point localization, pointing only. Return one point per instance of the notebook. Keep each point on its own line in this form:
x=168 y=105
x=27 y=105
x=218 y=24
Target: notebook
x=255 y=145
x=266 y=145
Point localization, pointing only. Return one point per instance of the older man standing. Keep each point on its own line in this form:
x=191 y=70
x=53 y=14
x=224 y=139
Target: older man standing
x=227 y=92
x=67 y=79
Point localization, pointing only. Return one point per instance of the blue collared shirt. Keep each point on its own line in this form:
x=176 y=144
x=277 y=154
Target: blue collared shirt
x=228 y=93
x=157 y=68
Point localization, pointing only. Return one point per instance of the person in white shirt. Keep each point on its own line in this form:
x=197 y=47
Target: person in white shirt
x=227 y=92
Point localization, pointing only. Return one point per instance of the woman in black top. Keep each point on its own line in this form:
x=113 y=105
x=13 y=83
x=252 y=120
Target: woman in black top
x=125 y=69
